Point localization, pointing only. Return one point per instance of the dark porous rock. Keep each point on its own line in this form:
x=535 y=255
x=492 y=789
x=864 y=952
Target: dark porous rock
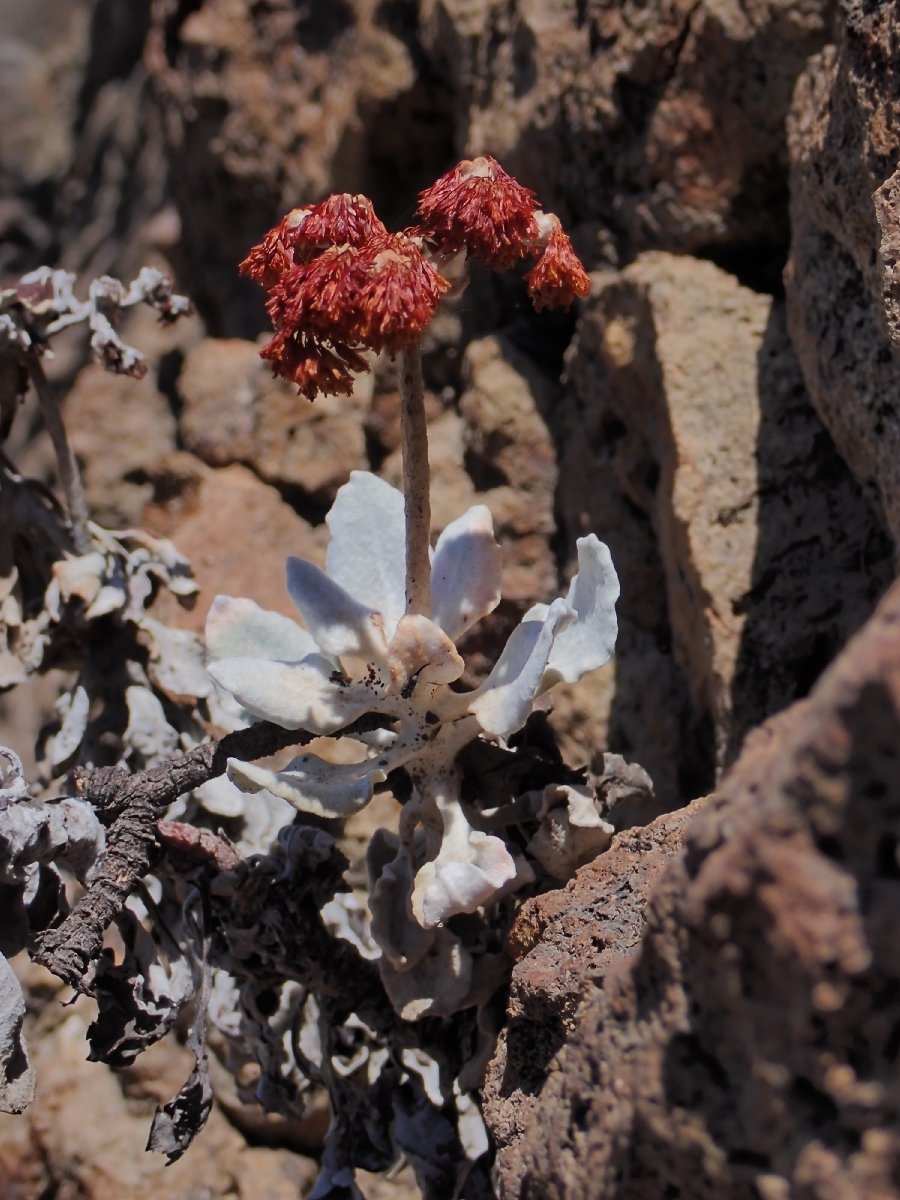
x=747 y=1047
x=843 y=286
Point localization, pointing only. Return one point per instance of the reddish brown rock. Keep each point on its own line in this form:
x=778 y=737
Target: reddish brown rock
x=661 y=122
x=235 y=411
x=236 y=532
x=843 y=289
x=511 y=459
x=86 y=1131
x=81 y=163
x=564 y=941
x=120 y=429
x=268 y=107
x=497 y=450
x=747 y=1048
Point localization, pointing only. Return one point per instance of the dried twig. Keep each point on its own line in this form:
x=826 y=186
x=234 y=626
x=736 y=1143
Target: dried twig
x=133 y=804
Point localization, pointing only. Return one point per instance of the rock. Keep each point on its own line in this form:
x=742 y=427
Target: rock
x=120 y=429
x=269 y=108
x=563 y=942
x=54 y=1148
x=235 y=530
x=511 y=460
x=661 y=125
x=497 y=450
x=843 y=290
x=235 y=411
x=81 y=153
x=746 y=1047
x=45 y=54
x=685 y=404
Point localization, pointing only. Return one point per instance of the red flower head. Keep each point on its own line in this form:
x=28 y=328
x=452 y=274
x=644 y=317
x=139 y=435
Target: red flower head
x=338 y=283
x=318 y=368
x=479 y=207
x=274 y=255
x=341 y=220
x=558 y=276
x=398 y=293
x=318 y=296
x=379 y=295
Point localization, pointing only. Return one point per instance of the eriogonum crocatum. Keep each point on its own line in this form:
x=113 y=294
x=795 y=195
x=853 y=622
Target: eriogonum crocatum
x=381 y=622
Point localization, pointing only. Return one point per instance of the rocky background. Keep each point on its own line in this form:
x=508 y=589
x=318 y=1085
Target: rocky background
x=712 y=1008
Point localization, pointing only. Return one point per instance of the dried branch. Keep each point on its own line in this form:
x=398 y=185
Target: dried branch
x=132 y=805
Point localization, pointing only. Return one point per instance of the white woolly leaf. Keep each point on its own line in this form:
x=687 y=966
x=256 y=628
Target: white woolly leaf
x=465 y=572
x=303 y=695
x=238 y=628
x=340 y=624
x=313 y=785
x=367 y=551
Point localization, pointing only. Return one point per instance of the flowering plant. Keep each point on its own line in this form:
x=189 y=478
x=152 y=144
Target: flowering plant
x=381 y=622
x=251 y=930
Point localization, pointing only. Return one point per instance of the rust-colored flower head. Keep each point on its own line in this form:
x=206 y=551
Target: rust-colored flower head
x=267 y=261
x=398 y=294
x=317 y=367
x=558 y=276
x=341 y=220
x=379 y=296
x=339 y=284
x=319 y=295
x=479 y=206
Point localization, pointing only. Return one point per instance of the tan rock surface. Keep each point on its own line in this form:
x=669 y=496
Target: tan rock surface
x=686 y=395
x=747 y=1047
x=235 y=411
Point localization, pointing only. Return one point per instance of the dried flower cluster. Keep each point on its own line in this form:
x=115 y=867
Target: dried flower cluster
x=43 y=302
x=339 y=284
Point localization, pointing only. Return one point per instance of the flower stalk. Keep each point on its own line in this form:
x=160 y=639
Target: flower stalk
x=416 y=481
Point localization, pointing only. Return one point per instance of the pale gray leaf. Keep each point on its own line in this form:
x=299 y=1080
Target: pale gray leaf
x=16 y=1074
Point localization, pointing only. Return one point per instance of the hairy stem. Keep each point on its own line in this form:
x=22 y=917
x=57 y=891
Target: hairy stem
x=416 y=482
x=69 y=475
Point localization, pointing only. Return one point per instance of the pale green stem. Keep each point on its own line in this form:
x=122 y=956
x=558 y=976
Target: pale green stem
x=416 y=482
x=69 y=475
